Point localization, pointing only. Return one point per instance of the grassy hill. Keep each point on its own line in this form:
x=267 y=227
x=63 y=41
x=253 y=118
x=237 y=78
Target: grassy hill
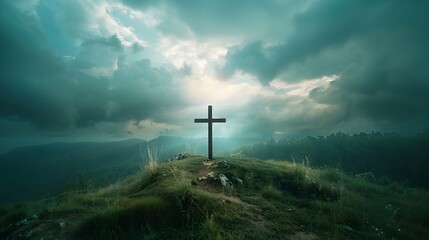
x=30 y=173
x=401 y=158
x=185 y=199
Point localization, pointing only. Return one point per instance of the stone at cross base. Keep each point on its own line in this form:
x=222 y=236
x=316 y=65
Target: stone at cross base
x=210 y=120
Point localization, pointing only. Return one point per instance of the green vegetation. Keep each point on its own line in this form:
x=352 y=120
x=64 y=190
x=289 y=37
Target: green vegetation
x=12 y=214
x=269 y=200
x=134 y=216
x=81 y=183
x=402 y=158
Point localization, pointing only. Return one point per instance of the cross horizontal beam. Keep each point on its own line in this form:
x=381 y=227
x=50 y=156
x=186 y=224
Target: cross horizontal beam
x=205 y=120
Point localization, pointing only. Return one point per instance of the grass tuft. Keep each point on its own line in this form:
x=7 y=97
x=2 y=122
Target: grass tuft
x=271 y=193
x=210 y=229
x=122 y=223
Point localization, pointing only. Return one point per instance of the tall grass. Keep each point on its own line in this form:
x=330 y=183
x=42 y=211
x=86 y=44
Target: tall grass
x=152 y=164
x=210 y=229
x=123 y=222
x=271 y=193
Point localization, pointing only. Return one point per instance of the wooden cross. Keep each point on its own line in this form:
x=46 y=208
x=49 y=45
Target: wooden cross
x=210 y=121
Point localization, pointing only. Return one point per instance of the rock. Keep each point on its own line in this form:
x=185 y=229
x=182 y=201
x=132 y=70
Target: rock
x=26 y=235
x=211 y=174
x=221 y=163
x=225 y=181
x=29 y=234
x=176 y=157
x=179 y=156
x=62 y=225
x=345 y=228
x=22 y=222
x=207 y=163
x=239 y=180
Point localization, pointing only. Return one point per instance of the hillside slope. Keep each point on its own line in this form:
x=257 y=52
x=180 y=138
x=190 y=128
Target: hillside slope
x=30 y=173
x=401 y=158
x=186 y=199
x=39 y=171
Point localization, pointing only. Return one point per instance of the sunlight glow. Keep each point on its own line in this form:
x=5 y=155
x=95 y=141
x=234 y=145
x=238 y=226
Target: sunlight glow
x=303 y=88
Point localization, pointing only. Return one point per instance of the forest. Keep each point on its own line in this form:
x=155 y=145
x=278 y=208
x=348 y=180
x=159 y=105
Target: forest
x=386 y=156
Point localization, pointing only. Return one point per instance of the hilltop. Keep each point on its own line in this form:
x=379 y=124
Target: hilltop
x=34 y=172
x=186 y=199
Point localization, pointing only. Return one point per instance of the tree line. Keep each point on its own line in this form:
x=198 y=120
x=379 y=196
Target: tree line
x=387 y=155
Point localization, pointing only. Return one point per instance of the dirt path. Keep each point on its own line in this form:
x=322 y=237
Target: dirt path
x=225 y=197
x=253 y=213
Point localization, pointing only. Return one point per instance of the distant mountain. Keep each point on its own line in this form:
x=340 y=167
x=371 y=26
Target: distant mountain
x=40 y=171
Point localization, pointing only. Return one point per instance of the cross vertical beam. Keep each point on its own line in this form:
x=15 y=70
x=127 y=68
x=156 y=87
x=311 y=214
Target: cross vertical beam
x=210 y=140
x=210 y=120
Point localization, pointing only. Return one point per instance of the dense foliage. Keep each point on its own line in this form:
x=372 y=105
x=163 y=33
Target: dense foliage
x=403 y=158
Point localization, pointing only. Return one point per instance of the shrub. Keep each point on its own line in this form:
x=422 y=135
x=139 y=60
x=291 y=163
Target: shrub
x=298 y=184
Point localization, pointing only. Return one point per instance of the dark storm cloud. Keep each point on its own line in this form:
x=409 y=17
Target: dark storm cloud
x=113 y=75
x=40 y=88
x=252 y=59
x=33 y=86
x=379 y=49
x=141 y=91
x=99 y=52
x=240 y=18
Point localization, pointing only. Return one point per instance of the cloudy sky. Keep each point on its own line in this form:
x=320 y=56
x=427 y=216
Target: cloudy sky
x=112 y=69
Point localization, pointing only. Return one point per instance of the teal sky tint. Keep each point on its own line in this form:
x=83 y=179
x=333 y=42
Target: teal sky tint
x=57 y=38
x=108 y=69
